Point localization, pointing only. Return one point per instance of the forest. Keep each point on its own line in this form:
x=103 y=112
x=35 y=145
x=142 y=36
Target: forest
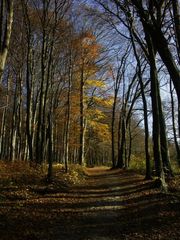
x=89 y=110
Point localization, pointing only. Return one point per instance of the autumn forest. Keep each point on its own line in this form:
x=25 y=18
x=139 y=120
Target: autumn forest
x=90 y=94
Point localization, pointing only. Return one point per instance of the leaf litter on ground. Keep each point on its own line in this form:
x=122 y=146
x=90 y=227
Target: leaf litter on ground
x=98 y=204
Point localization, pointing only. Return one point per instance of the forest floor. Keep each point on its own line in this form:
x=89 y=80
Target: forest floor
x=107 y=205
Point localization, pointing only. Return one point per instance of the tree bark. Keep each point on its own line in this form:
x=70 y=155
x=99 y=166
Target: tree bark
x=112 y=130
x=176 y=15
x=6 y=22
x=173 y=125
x=163 y=137
x=148 y=163
x=50 y=155
x=67 y=124
x=156 y=116
x=153 y=28
x=82 y=127
x=121 y=150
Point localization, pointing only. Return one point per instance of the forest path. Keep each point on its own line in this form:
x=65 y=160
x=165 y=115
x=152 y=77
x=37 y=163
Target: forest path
x=109 y=204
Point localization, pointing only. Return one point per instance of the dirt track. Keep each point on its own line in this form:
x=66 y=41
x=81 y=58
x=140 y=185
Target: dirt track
x=108 y=205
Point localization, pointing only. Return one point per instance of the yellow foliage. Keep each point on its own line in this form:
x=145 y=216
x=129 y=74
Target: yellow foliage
x=103 y=102
x=95 y=83
x=94 y=114
x=108 y=102
x=102 y=130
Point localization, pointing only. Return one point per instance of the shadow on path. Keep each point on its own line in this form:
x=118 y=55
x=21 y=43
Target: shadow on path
x=109 y=205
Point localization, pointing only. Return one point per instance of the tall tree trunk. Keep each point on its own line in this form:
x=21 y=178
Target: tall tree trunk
x=50 y=155
x=47 y=50
x=163 y=137
x=5 y=136
x=28 y=83
x=174 y=126
x=40 y=134
x=117 y=81
x=148 y=160
x=14 y=125
x=148 y=164
x=176 y=15
x=155 y=112
x=6 y=22
x=156 y=122
x=82 y=130
x=112 y=130
x=19 y=119
x=130 y=144
x=121 y=150
x=155 y=32
x=29 y=109
x=67 y=124
x=2 y=134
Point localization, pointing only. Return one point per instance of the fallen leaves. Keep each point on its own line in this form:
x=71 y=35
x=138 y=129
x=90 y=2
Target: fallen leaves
x=105 y=205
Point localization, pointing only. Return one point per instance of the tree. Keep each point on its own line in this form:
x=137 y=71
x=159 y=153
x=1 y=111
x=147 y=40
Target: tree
x=152 y=17
x=117 y=81
x=88 y=53
x=148 y=164
x=174 y=124
x=6 y=21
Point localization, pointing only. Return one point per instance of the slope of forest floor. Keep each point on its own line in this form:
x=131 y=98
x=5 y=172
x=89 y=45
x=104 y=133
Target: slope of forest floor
x=106 y=204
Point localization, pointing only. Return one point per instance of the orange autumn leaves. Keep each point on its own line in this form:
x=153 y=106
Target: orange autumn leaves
x=85 y=51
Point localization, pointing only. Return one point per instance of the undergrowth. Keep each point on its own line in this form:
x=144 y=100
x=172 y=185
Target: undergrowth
x=74 y=175
x=19 y=172
x=22 y=173
x=137 y=164
x=20 y=181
